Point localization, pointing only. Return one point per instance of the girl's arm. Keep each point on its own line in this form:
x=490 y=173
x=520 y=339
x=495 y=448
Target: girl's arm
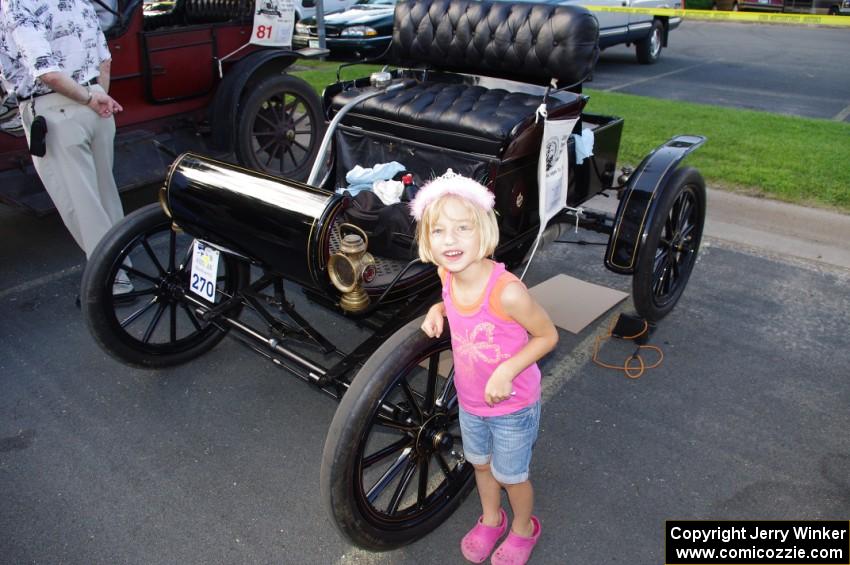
x=519 y=305
x=433 y=324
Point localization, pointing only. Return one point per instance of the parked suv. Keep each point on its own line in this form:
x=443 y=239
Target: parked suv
x=183 y=82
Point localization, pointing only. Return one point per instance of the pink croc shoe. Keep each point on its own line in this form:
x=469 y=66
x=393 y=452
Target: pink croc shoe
x=477 y=544
x=516 y=549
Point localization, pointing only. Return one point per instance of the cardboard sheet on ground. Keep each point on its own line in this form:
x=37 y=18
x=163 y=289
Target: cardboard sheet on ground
x=572 y=303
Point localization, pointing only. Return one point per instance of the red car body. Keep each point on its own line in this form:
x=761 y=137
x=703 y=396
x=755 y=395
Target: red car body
x=165 y=73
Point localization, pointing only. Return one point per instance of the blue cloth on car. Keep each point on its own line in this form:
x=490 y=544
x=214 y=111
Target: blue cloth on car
x=583 y=145
x=360 y=178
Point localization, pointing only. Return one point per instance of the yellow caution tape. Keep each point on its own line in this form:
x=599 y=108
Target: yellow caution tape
x=724 y=16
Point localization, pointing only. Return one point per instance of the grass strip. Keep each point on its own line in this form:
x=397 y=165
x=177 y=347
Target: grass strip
x=794 y=159
x=789 y=158
x=322 y=73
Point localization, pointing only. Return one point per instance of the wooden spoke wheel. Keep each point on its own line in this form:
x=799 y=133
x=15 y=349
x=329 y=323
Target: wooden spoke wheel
x=279 y=127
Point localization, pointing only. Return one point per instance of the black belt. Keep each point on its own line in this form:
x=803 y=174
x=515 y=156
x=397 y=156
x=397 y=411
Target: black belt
x=91 y=82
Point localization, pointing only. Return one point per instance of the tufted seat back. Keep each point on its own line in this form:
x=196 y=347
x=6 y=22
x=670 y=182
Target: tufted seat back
x=209 y=11
x=523 y=41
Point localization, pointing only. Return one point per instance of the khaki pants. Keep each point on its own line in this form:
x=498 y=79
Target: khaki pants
x=77 y=168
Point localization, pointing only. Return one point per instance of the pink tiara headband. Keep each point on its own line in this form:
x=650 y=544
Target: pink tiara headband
x=454 y=184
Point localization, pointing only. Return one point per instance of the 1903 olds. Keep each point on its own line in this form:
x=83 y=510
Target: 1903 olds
x=213 y=256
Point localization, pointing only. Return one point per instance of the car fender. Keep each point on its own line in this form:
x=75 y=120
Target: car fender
x=225 y=105
x=639 y=201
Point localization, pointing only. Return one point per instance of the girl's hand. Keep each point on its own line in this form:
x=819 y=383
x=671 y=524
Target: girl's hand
x=499 y=385
x=433 y=324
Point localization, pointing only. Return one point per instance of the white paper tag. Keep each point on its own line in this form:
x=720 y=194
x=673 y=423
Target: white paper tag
x=552 y=172
x=552 y=169
x=204 y=274
x=273 y=22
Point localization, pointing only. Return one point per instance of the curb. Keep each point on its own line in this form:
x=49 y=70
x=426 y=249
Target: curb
x=778 y=228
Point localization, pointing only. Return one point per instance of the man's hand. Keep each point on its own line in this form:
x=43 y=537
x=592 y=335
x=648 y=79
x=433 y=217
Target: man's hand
x=500 y=385
x=100 y=102
x=433 y=324
x=104 y=104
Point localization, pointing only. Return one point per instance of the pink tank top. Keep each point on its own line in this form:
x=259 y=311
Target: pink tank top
x=481 y=341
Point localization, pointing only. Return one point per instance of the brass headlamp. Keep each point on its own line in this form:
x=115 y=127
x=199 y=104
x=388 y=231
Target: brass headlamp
x=352 y=266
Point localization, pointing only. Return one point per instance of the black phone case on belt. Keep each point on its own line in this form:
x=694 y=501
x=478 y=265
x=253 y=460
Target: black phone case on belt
x=38 y=137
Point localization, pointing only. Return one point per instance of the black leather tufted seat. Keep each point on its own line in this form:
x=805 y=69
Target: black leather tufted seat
x=522 y=42
x=458 y=116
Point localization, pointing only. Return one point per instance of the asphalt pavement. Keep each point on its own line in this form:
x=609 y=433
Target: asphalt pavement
x=217 y=461
x=794 y=70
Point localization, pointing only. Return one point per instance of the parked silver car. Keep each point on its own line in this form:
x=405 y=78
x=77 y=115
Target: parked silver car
x=648 y=33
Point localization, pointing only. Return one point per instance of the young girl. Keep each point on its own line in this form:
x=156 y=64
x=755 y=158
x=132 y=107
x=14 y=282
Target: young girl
x=491 y=315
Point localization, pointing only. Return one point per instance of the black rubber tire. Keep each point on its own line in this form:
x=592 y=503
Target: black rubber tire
x=648 y=49
x=156 y=300
x=355 y=431
x=279 y=126
x=662 y=272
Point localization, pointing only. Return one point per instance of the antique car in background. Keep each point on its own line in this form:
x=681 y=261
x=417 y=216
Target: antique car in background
x=361 y=31
x=226 y=247
x=165 y=73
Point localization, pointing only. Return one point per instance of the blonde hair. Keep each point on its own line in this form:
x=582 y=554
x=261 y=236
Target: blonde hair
x=485 y=221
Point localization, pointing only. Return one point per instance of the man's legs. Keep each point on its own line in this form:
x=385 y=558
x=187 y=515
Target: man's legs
x=103 y=150
x=68 y=170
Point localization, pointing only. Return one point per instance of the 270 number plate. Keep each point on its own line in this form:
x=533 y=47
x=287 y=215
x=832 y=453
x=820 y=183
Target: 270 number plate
x=204 y=271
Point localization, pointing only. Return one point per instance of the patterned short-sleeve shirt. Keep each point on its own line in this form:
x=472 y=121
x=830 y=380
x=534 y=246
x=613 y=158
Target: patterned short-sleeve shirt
x=42 y=36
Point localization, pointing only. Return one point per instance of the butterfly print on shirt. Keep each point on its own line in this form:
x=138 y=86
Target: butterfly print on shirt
x=477 y=347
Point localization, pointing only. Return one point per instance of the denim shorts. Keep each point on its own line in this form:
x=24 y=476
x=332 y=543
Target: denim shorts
x=503 y=441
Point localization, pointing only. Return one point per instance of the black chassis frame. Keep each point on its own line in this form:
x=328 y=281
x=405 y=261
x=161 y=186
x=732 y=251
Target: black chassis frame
x=333 y=380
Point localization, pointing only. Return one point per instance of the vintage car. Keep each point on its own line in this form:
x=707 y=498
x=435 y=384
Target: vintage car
x=225 y=248
x=165 y=73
